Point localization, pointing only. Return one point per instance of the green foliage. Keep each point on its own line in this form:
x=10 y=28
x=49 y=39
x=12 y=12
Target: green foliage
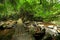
x=45 y=9
x=1 y=7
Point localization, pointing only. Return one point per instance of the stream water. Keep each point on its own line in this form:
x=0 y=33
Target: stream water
x=20 y=33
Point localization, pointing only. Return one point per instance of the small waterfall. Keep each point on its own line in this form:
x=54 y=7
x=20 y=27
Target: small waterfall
x=20 y=33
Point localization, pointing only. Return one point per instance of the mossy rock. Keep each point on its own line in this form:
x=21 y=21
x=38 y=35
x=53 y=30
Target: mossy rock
x=6 y=34
x=57 y=37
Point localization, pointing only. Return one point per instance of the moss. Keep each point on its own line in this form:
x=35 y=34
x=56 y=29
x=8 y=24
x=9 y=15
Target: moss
x=7 y=36
x=58 y=37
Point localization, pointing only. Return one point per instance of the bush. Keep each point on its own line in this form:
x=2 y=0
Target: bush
x=39 y=9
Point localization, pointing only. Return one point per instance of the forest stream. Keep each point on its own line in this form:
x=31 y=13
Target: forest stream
x=18 y=31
